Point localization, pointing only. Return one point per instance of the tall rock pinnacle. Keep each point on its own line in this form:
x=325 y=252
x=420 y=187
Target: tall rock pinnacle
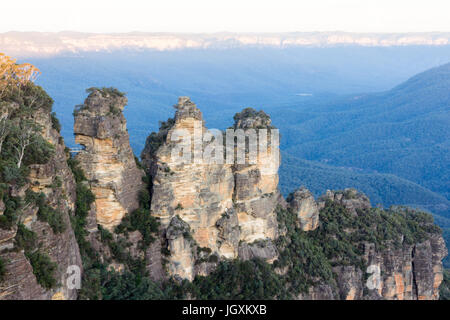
x=107 y=158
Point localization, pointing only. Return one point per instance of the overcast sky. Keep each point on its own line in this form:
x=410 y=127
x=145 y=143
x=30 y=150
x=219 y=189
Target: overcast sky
x=226 y=15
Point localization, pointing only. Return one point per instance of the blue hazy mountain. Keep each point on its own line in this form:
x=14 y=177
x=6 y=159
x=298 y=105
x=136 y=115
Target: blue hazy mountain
x=404 y=131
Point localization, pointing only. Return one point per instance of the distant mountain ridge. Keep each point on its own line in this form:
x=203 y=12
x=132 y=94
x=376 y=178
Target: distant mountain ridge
x=48 y=44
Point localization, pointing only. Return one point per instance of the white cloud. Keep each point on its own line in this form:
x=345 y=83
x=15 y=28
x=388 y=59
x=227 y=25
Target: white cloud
x=229 y=15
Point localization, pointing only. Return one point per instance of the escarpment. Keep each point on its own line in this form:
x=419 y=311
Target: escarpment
x=107 y=159
x=37 y=242
x=397 y=253
x=194 y=212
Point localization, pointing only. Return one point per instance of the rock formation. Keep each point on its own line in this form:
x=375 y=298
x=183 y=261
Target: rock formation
x=54 y=179
x=349 y=198
x=107 y=159
x=196 y=193
x=412 y=272
x=208 y=213
x=305 y=207
x=396 y=271
x=256 y=185
x=223 y=204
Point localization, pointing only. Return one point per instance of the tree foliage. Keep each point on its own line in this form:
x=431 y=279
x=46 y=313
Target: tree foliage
x=13 y=75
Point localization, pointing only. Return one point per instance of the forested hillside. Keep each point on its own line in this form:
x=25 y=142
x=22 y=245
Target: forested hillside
x=404 y=131
x=395 y=145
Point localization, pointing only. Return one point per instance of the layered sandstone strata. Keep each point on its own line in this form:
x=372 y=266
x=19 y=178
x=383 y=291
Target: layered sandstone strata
x=411 y=272
x=256 y=192
x=224 y=204
x=55 y=180
x=107 y=159
x=199 y=194
x=394 y=272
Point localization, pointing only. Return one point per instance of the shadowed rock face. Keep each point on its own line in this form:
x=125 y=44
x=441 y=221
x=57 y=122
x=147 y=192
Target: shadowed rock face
x=107 y=158
x=407 y=272
x=411 y=272
x=302 y=203
x=223 y=204
x=62 y=248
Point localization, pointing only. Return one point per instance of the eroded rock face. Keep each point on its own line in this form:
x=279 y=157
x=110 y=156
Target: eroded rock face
x=394 y=272
x=256 y=192
x=411 y=272
x=55 y=180
x=198 y=193
x=264 y=249
x=182 y=249
x=223 y=203
x=302 y=203
x=107 y=158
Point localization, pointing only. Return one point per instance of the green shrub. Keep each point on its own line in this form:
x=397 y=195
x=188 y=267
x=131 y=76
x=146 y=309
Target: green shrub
x=237 y=280
x=43 y=268
x=25 y=239
x=83 y=203
x=53 y=217
x=13 y=175
x=55 y=122
x=46 y=213
x=2 y=270
x=11 y=212
x=77 y=172
x=144 y=199
x=156 y=139
x=129 y=286
x=106 y=91
x=142 y=220
x=38 y=152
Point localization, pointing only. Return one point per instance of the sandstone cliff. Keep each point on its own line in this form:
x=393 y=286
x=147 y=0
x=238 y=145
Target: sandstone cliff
x=52 y=180
x=225 y=205
x=107 y=159
x=399 y=266
x=256 y=185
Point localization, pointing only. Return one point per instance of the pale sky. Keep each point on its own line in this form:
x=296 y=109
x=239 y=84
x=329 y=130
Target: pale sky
x=226 y=15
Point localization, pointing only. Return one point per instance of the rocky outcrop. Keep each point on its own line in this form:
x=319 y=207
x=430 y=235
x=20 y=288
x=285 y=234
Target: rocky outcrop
x=395 y=271
x=198 y=193
x=350 y=198
x=412 y=272
x=302 y=203
x=264 y=249
x=55 y=180
x=256 y=185
x=182 y=249
x=223 y=204
x=107 y=159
